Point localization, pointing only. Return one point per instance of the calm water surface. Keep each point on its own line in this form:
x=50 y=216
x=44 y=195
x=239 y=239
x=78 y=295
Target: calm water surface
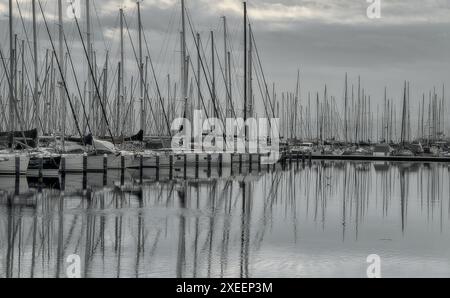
x=313 y=220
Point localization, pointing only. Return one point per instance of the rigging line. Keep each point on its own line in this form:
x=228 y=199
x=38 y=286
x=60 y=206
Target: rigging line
x=26 y=34
x=203 y=67
x=262 y=95
x=137 y=62
x=25 y=74
x=220 y=108
x=100 y=25
x=132 y=91
x=201 y=96
x=142 y=78
x=77 y=84
x=252 y=36
x=162 y=55
x=1 y=80
x=25 y=30
x=157 y=84
x=235 y=57
x=200 y=49
x=238 y=83
x=226 y=87
x=3 y=112
x=108 y=104
x=14 y=100
x=60 y=71
x=32 y=93
x=262 y=71
x=95 y=83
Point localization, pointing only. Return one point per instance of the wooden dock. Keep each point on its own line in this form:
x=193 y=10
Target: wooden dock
x=368 y=158
x=180 y=164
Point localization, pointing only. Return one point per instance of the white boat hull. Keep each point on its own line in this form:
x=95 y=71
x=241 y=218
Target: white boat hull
x=73 y=163
x=8 y=164
x=152 y=160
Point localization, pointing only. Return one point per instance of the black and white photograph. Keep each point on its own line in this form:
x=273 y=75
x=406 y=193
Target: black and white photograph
x=224 y=145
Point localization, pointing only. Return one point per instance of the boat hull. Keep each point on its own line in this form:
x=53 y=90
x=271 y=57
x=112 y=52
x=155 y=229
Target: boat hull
x=8 y=164
x=74 y=163
x=46 y=165
x=152 y=160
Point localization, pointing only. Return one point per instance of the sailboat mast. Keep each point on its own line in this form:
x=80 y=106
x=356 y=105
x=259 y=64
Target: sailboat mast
x=199 y=73
x=61 y=88
x=183 y=55
x=296 y=105
x=423 y=113
x=141 y=69
x=245 y=66
x=89 y=51
x=404 y=115
x=345 y=107
x=250 y=71
x=230 y=94
x=225 y=51
x=105 y=92
x=213 y=83
x=118 y=100
x=35 y=66
x=121 y=74
x=11 y=69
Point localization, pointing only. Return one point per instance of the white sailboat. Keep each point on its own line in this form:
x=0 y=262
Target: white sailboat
x=99 y=156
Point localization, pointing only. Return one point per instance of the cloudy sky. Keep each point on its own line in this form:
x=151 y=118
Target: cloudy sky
x=323 y=38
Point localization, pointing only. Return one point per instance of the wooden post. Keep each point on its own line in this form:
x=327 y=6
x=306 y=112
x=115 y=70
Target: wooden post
x=85 y=163
x=63 y=183
x=105 y=164
x=63 y=164
x=259 y=163
x=122 y=169
x=231 y=170
x=41 y=166
x=171 y=167
x=185 y=166
x=105 y=170
x=17 y=160
x=310 y=159
x=240 y=163
x=141 y=168
x=84 y=182
x=157 y=168
x=209 y=165
x=196 y=166
x=220 y=164
x=17 y=185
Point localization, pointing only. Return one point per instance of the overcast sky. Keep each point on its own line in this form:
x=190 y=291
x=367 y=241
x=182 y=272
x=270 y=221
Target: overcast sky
x=322 y=38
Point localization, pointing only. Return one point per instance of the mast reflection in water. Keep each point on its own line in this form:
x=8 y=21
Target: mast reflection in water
x=318 y=220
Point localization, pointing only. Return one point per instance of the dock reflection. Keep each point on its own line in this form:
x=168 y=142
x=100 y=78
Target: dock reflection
x=212 y=225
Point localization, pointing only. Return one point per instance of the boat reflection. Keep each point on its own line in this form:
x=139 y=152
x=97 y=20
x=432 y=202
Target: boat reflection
x=300 y=219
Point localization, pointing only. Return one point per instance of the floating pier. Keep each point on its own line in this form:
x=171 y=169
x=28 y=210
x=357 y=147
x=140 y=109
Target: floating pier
x=368 y=158
x=176 y=165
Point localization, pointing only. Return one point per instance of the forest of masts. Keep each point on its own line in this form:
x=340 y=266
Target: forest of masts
x=354 y=118
x=41 y=85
